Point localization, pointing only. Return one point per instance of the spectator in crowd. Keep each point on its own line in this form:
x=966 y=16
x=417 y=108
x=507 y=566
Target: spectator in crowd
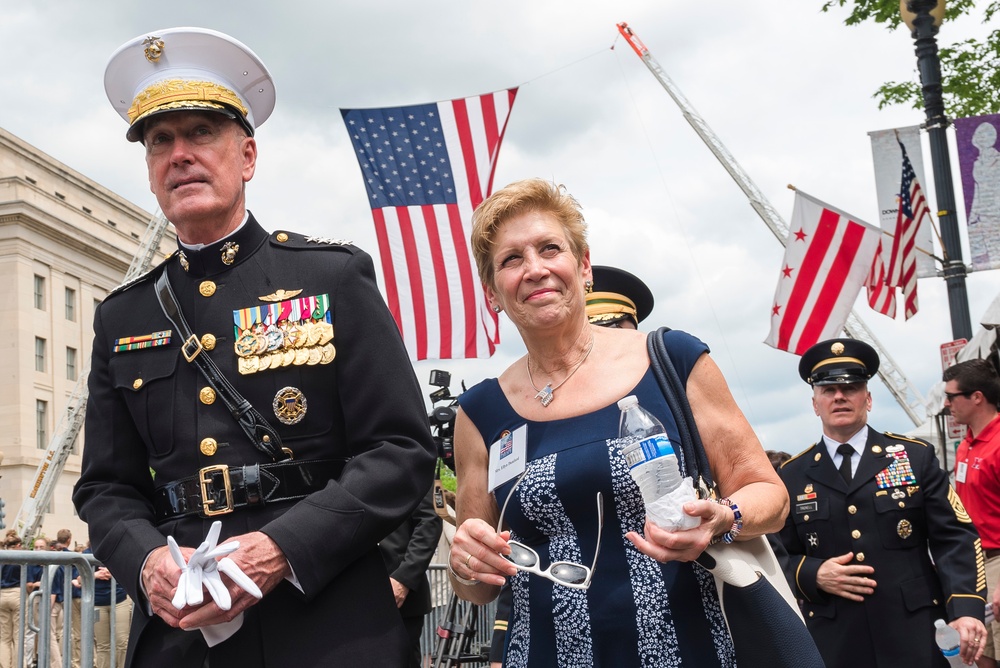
x=102 y=616
x=870 y=510
x=564 y=484
x=621 y=300
x=303 y=433
x=972 y=393
x=408 y=552
x=10 y=604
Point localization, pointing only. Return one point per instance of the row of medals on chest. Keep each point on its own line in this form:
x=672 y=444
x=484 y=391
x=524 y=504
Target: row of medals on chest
x=263 y=346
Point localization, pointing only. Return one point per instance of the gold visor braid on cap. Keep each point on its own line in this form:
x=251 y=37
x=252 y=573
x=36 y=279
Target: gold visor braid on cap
x=838 y=360
x=609 y=303
x=180 y=93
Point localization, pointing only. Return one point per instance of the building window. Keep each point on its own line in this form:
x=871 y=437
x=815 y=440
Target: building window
x=39 y=354
x=41 y=424
x=39 y=292
x=70 y=363
x=71 y=304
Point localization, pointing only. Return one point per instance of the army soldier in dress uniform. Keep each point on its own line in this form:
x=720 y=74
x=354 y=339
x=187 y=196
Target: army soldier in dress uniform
x=253 y=378
x=869 y=510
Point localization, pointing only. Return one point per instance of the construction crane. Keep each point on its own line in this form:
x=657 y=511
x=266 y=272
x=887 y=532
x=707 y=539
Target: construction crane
x=899 y=385
x=32 y=511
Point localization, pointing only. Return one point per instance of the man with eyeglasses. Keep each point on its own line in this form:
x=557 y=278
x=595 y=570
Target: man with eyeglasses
x=879 y=544
x=972 y=392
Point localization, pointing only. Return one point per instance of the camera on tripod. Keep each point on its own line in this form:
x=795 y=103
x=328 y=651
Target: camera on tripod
x=442 y=418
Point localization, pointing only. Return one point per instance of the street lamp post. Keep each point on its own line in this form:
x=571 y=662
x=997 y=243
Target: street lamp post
x=923 y=18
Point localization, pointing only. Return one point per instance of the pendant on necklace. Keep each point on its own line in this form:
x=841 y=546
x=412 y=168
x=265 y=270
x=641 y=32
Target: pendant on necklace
x=545 y=395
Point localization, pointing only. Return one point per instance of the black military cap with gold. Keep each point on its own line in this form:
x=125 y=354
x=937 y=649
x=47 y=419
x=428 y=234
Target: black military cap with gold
x=838 y=362
x=183 y=69
x=617 y=295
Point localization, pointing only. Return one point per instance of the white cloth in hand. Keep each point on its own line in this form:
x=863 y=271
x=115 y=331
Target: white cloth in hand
x=202 y=571
x=667 y=512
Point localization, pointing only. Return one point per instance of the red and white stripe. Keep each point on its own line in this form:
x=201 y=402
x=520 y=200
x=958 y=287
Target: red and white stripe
x=903 y=259
x=432 y=286
x=827 y=259
x=881 y=296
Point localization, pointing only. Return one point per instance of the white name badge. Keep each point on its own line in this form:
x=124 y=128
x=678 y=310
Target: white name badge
x=963 y=468
x=508 y=457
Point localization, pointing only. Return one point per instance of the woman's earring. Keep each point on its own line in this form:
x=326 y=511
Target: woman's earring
x=589 y=286
x=496 y=308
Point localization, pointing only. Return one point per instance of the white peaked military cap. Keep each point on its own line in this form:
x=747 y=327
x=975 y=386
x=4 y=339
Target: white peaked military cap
x=188 y=69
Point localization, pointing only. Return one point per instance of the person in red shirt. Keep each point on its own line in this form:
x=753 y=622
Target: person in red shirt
x=972 y=393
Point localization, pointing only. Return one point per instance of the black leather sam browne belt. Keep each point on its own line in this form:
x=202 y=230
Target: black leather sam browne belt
x=220 y=489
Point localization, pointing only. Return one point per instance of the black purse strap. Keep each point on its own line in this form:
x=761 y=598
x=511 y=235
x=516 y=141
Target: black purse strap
x=261 y=434
x=691 y=453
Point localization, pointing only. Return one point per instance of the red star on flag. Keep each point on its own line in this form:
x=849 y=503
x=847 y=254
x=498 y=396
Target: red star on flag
x=800 y=235
x=787 y=271
x=776 y=310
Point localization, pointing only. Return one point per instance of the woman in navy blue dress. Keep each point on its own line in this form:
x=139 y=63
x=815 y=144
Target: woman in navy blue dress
x=544 y=436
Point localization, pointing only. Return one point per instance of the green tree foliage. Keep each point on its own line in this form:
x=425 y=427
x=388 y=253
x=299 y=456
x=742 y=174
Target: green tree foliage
x=970 y=68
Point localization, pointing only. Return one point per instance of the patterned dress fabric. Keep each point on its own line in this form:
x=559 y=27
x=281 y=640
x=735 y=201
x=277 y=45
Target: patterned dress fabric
x=637 y=612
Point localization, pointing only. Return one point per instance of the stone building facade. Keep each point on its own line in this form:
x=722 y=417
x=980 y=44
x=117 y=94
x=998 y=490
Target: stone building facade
x=65 y=242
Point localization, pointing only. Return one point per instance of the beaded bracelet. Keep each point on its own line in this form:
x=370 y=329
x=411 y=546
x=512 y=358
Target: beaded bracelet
x=468 y=582
x=737 y=527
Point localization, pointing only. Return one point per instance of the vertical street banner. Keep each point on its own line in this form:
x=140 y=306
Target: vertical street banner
x=887 y=158
x=426 y=167
x=979 y=162
x=828 y=257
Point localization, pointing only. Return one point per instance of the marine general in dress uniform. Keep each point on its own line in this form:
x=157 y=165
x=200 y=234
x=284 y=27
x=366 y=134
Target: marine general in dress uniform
x=253 y=378
x=869 y=512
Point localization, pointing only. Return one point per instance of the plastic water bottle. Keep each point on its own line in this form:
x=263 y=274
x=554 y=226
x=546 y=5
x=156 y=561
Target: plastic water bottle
x=948 y=642
x=653 y=465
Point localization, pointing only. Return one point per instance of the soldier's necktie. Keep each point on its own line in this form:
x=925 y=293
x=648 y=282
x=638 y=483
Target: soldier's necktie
x=846 y=451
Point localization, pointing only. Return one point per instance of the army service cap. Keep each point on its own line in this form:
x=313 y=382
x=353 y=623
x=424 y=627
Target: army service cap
x=838 y=362
x=617 y=295
x=185 y=69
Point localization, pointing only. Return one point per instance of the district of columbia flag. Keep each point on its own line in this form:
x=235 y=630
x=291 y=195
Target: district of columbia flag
x=913 y=212
x=828 y=257
x=426 y=167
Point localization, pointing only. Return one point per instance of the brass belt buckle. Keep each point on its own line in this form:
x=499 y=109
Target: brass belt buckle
x=205 y=479
x=192 y=343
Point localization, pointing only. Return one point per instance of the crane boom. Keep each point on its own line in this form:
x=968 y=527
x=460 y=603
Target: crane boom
x=905 y=393
x=32 y=511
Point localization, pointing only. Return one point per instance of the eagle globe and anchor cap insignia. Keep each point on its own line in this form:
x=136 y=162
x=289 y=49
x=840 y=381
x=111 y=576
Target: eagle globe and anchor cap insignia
x=289 y=405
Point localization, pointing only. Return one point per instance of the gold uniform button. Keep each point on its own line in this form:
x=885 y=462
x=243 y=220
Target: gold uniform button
x=209 y=446
x=852 y=509
x=861 y=556
x=805 y=519
x=855 y=534
x=281 y=236
x=137 y=383
x=902 y=504
x=934 y=601
x=811 y=613
x=208 y=342
x=207 y=288
x=207 y=395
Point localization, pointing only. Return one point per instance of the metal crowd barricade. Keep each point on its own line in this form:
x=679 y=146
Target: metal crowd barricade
x=480 y=621
x=84 y=564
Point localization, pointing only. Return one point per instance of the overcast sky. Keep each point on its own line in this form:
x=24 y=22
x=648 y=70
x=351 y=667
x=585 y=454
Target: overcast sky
x=787 y=88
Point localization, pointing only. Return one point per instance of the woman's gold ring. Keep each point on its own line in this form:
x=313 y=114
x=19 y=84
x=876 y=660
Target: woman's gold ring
x=467 y=560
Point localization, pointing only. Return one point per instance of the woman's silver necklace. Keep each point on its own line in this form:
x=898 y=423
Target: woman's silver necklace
x=547 y=393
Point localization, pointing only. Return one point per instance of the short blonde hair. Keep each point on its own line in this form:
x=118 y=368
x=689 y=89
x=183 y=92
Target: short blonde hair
x=517 y=199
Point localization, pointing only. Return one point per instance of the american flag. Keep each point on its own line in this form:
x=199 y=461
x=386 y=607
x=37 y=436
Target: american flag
x=881 y=296
x=903 y=258
x=828 y=257
x=426 y=168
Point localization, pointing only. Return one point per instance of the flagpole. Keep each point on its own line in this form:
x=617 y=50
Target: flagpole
x=924 y=27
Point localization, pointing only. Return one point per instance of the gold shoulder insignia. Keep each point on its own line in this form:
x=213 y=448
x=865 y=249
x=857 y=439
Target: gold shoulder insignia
x=280 y=295
x=794 y=457
x=908 y=439
x=956 y=505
